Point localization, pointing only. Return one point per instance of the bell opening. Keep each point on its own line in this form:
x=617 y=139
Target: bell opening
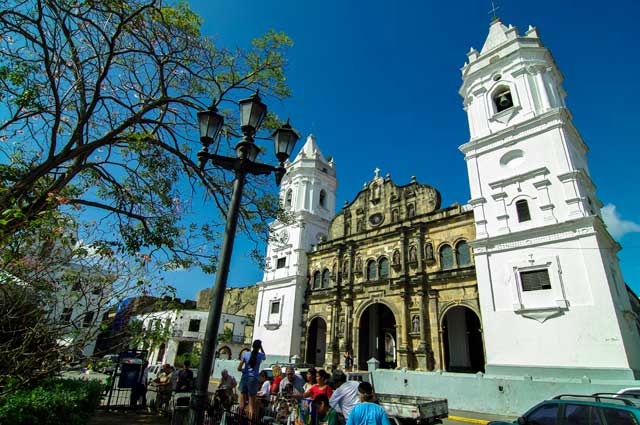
x=503 y=101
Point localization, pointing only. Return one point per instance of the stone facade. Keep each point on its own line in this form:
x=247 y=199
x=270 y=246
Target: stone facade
x=240 y=301
x=394 y=266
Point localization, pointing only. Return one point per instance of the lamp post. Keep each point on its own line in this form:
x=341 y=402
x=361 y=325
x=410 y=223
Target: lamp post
x=252 y=112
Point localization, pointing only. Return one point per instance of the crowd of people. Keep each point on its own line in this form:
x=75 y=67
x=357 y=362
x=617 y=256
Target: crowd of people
x=337 y=401
x=168 y=381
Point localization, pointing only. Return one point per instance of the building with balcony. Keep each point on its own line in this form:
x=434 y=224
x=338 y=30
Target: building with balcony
x=171 y=336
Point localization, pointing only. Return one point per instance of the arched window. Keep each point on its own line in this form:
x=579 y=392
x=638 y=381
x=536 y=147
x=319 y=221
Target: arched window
x=462 y=254
x=316 y=280
x=502 y=99
x=371 y=270
x=522 y=209
x=287 y=198
x=323 y=198
x=383 y=268
x=446 y=257
x=325 y=278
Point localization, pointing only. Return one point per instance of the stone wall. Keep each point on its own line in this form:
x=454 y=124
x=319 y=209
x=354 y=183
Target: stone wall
x=504 y=395
x=240 y=301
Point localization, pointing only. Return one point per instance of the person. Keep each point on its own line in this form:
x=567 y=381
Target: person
x=228 y=387
x=163 y=382
x=366 y=412
x=321 y=387
x=250 y=366
x=139 y=390
x=264 y=393
x=326 y=414
x=348 y=361
x=185 y=378
x=265 y=385
x=292 y=385
x=277 y=378
x=311 y=379
x=345 y=394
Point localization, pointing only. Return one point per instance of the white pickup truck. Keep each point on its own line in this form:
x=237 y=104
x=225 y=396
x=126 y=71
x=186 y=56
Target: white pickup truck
x=402 y=409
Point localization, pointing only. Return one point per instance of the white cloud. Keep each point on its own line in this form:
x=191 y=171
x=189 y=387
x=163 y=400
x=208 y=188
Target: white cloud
x=616 y=225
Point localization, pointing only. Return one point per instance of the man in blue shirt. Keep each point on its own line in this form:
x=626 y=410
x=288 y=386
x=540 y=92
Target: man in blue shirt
x=366 y=412
x=292 y=385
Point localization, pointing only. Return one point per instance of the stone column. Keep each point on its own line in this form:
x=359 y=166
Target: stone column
x=537 y=71
x=421 y=352
x=501 y=212
x=348 y=326
x=436 y=331
x=403 y=340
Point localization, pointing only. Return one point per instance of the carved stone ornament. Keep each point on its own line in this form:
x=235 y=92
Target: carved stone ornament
x=395 y=259
x=272 y=326
x=541 y=315
x=413 y=255
x=415 y=325
x=358 y=266
x=428 y=250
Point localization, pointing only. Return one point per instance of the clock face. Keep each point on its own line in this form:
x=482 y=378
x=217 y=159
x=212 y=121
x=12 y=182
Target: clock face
x=284 y=236
x=375 y=219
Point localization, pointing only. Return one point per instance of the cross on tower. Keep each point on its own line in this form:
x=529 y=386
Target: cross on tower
x=493 y=10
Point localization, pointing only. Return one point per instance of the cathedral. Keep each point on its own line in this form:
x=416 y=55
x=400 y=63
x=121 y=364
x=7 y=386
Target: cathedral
x=527 y=264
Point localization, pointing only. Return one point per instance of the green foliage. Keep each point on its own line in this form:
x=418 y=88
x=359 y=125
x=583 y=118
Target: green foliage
x=157 y=332
x=53 y=402
x=226 y=335
x=101 y=118
x=193 y=357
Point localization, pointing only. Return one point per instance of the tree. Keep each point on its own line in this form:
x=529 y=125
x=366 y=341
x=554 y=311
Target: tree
x=100 y=100
x=54 y=291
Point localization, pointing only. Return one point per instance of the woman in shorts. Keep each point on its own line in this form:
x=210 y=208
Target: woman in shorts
x=250 y=367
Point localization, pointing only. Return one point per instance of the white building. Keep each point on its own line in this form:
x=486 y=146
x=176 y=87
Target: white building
x=308 y=192
x=186 y=329
x=84 y=295
x=553 y=300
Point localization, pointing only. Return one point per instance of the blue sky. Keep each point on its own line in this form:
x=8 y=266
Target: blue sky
x=377 y=84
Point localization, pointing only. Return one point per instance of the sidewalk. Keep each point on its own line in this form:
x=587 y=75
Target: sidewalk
x=476 y=417
x=127 y=418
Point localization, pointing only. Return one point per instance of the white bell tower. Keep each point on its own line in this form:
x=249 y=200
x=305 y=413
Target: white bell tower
x=308 y=192
x=553 y=300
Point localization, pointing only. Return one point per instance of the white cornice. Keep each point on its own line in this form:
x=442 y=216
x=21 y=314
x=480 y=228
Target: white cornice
x=542 y=171
x=542 y=235
x=555 y=118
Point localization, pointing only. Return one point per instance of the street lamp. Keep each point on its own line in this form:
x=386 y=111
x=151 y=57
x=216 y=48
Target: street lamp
x=252 y=113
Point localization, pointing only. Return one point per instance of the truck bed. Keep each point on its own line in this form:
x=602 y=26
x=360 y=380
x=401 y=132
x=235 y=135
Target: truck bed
x=422 y=409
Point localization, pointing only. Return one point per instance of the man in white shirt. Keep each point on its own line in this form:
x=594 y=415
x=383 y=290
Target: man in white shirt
x=345 y=395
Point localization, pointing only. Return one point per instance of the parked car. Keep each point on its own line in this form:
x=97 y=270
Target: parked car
x=629 y=393
x=152 y=372
x=571 y=409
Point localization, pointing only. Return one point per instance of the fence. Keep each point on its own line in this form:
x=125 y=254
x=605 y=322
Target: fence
x=121 y=394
